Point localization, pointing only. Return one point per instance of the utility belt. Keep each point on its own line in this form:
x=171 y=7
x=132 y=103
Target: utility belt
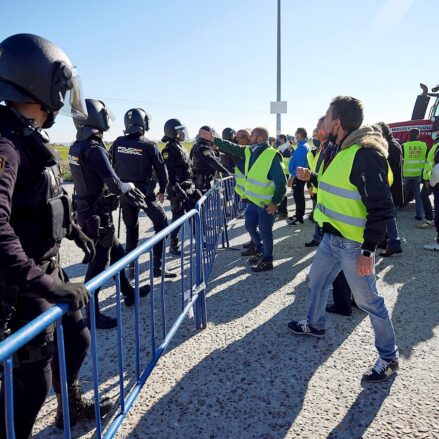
x=103 y=204
x=12 y=319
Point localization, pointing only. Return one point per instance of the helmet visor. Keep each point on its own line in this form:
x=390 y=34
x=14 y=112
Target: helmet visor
x=182 y=133
x=74 y=102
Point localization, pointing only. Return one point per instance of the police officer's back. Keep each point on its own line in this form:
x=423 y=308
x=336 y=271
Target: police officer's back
x=137 y=159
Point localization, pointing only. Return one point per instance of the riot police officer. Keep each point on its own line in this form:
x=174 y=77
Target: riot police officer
x=138 y=160
x=206 y=164
x=181 y=191
x=36 y=80
x=96 y=197
x=228 y=161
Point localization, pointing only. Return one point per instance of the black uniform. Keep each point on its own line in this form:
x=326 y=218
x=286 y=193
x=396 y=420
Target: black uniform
x=136 y=159
x=206 y=164
x=95 y=199
x=180 y=188
x=34 y=217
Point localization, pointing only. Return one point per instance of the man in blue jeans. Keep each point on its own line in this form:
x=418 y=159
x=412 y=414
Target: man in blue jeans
x=354 y=206
x=264 y=189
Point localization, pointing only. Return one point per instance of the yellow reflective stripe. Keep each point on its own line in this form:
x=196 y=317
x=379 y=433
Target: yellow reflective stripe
x=259 y=183
x=344 y=193
x=254 y=194
x=351 y=220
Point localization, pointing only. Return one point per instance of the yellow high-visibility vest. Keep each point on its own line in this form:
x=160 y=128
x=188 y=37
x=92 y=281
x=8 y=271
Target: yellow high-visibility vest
x=258 y=188
x=414 y=158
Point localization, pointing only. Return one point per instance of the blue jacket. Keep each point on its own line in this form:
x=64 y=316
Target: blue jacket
x=299 y=157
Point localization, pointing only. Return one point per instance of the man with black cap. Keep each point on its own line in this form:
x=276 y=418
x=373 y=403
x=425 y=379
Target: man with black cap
x=137 y=159
x=96 y=197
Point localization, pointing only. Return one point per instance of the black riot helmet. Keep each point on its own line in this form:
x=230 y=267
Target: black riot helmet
x=34 y=70
x=96 y=122
x=229 y=134
x=136 y=121
x=210 y=130
x=174 y=130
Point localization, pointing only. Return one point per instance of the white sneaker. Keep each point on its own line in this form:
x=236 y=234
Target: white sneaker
x=425 y=225
x=433 y=246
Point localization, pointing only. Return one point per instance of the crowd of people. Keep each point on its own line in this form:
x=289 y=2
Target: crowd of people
x=354 y=175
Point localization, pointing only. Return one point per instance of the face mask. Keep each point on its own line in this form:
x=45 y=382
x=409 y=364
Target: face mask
x=434 y=135
x=332 y=137
x=49 y=121
x=316 y=143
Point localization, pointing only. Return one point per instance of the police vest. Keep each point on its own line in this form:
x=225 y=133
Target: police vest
x=429 y=163
x=131 y=160
x=40 y=209
x=258 y=188
x=182 y=165
x=338 y=200
x=199 y=152
x=88 y=185
x=414 y=158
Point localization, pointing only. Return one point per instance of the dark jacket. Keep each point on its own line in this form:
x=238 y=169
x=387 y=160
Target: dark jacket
x=395 y=161
x=26 y=184
x=369 y=175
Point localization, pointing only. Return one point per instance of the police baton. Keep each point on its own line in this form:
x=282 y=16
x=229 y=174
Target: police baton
x=118 y=222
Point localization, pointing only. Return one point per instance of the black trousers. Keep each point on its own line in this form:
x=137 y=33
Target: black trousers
x=105 y=256
x=156 y=214
x=299 y=197
x=425 y=198
x=108 y=248
x=36 y=365
x=283 y=206
x=342 y=293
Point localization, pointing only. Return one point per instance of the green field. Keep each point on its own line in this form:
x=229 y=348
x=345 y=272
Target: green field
x=63 y=151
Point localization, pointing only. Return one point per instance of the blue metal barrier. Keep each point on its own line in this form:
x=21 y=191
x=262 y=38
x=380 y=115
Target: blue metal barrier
x=202 y=228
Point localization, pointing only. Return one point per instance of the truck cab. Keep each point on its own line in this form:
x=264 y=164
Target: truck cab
x=400 y=130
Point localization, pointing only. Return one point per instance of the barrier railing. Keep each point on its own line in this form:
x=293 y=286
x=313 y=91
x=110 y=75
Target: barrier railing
x=200 y=230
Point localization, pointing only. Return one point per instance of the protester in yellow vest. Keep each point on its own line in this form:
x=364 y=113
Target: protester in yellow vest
x=265 y=186
x=354 y=205
x=414 y=152
x=426 y=188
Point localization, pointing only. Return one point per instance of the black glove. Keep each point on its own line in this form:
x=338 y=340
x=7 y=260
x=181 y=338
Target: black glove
x=136 y=198
x=76 y=295
x=83 y=242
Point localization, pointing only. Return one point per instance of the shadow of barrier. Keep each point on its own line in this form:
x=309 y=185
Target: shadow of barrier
x=200 y=231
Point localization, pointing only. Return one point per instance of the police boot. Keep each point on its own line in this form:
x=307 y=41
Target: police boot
x=128 y=291
x=174 y=248
x=159 y=272
x=80 y=407
x=102 y=321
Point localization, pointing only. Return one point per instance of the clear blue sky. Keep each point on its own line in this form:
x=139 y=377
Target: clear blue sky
x=214 y=62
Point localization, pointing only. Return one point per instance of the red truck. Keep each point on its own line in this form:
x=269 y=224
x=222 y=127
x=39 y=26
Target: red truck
x=400 y=130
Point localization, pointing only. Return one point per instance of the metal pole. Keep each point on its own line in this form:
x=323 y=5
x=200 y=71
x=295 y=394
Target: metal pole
x=278 y=115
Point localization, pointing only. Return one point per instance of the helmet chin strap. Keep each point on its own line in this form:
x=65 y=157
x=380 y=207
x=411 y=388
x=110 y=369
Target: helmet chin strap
x=37 y=139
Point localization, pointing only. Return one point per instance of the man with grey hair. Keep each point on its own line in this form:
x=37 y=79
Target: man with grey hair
x=264 y=187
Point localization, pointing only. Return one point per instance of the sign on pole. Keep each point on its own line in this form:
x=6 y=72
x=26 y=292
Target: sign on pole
x=278 y=107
